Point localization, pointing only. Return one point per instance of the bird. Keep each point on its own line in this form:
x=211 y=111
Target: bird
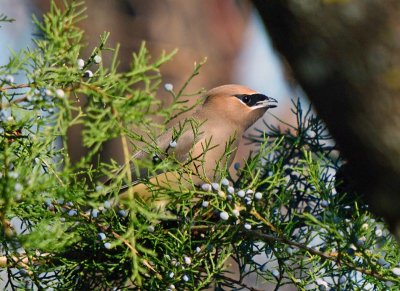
x=200 y=142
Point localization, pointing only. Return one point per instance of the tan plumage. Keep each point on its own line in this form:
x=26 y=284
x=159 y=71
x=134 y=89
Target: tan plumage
x=221 y=120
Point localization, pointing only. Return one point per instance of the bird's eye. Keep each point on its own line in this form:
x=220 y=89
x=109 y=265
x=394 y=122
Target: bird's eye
x=246 y=99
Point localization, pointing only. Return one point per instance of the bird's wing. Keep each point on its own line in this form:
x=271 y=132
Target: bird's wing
x=203 y=154
x=180 y=139
x=177 y=140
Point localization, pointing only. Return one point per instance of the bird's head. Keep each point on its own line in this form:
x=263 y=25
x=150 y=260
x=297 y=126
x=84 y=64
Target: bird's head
x=237 y=104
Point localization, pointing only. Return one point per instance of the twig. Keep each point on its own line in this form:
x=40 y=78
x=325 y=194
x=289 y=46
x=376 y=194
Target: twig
x=16 y=101
x=328 y=256
x=14 y=87
x=266 y=222
x=238 y=282
x=126 y=242
x=53 y=171
x=2 y=89
x=22 y=260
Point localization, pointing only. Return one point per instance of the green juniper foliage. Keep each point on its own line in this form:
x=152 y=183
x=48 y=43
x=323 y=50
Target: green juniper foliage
x=285 y=220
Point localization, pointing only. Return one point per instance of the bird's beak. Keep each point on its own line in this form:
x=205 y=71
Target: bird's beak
x=264 y=101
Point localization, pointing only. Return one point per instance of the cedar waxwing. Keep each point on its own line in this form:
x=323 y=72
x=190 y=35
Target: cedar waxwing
x=200 y=142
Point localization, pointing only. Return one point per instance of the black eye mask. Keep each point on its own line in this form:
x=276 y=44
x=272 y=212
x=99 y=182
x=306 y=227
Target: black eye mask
x=257 y=100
